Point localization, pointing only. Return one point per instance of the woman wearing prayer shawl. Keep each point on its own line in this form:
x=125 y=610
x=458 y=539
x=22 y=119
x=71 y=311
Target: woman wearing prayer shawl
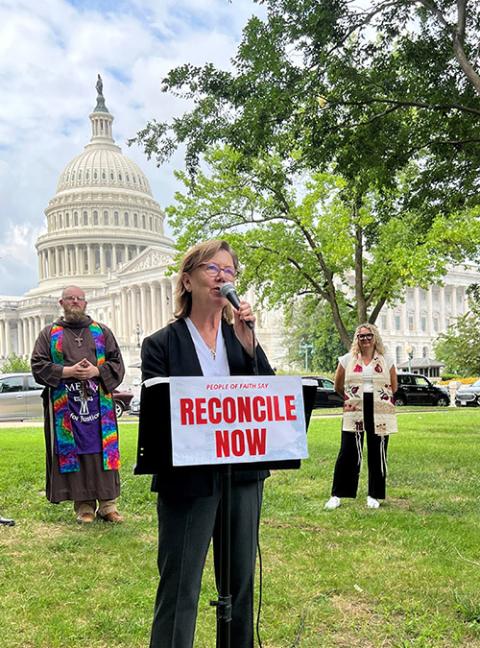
x=367 y=379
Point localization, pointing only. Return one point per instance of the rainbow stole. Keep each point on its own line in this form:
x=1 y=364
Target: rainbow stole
x=66 y=446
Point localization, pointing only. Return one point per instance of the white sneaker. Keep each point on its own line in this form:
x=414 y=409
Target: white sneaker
x=333 y=503
x=372 y=503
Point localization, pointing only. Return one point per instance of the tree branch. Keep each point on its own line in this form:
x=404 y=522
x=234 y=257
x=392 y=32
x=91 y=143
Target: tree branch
x=461 y=20
x=376 y=310
x=458 y=35
x=406 y=104
x=419 y=147
x=432 y=8
x=329 y=294
x=359 y=294
x=317 y=287
x=367 y=17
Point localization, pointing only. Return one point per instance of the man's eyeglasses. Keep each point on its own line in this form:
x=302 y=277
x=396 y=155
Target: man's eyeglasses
x=365 y=336
x=212 y=269
x=72 y=298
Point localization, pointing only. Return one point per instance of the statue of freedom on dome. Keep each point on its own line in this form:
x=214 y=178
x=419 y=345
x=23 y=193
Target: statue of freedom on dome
x=99 y=86
x=100 y=107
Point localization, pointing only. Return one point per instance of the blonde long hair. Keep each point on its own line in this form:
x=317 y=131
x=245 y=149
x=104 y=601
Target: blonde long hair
x=193 y=258
x=377 y=340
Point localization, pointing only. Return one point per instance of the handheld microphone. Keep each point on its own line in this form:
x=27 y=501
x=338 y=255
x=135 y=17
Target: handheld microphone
x=228 y=291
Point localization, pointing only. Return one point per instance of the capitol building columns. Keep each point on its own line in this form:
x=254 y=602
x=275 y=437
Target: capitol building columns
x=443 y=315
x=3 y=338
x=141 y=308
x=416 y=323
x=430 y=330
x=165 y=299
x=454 y=302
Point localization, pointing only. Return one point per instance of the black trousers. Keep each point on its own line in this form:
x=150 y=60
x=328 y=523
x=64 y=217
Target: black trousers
x=186 y=526
x=347 y=467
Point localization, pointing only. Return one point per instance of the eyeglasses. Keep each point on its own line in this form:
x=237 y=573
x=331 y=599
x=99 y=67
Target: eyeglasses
x=72 y=298
x=365 y=336
x=212 y=269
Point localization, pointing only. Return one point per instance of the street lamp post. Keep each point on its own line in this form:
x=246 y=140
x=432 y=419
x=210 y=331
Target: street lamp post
x=138 y=332
x=306 y=348
x=409 y=350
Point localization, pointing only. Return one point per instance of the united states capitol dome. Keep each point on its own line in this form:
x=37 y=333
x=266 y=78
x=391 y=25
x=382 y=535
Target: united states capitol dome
x=103 y=213
x=102 y=164
x=103 y=167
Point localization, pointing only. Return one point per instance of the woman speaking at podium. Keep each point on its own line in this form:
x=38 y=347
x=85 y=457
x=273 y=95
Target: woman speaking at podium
x=207 y=338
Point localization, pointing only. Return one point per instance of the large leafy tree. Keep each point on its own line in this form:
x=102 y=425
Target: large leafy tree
x=365 y=89
x=313 y=235
x=385 y=98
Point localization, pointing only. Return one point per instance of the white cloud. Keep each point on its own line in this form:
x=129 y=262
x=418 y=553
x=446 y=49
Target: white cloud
x=18 y=262
x=50 y=54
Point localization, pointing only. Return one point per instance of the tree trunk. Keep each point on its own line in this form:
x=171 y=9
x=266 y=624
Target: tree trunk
x=465 y=64
x=359 y=292
x=376 y=310
x=337 y=318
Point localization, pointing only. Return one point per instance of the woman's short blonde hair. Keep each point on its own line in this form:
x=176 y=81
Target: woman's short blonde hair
x=193 y=258
x=377 y=340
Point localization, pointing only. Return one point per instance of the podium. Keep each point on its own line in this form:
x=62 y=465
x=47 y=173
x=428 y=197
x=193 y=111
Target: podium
x=154 y=448
x=167 y=404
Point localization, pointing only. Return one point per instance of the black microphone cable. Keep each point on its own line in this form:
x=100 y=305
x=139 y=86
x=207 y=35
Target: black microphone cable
x=228 y=291
x=259 y=506
x=260 y=568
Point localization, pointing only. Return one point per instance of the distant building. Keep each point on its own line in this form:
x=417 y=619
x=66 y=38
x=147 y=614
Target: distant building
x=414 y=325
x=425 y=366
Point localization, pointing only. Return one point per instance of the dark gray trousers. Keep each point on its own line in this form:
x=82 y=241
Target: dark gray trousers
x=186 y=526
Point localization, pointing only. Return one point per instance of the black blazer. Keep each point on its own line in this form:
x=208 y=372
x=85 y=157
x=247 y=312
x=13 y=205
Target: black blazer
x=171 y=352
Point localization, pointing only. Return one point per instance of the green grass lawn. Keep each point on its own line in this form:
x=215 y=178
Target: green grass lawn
x=407 y=575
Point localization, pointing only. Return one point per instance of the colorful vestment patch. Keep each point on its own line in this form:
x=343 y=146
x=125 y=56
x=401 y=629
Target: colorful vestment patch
x=66 y=446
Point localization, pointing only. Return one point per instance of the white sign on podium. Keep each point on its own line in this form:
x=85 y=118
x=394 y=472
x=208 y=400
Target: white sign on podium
x=239 y=419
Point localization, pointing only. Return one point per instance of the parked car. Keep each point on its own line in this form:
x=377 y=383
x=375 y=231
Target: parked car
x=20 y=398
x=122 y=401
x=414 y=389
x=326 y=395
x=135 y=406
x=468 y=395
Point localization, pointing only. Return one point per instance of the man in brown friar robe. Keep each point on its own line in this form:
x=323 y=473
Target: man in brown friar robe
x=79 y=362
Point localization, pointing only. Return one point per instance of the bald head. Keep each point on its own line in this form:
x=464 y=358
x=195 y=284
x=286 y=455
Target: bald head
x=73 y=291
x=73 y=303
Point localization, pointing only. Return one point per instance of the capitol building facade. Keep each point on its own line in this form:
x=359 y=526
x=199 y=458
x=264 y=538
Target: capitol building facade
x=105 y=233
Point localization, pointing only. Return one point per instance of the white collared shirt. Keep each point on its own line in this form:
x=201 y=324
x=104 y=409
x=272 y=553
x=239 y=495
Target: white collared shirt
x=211 y=365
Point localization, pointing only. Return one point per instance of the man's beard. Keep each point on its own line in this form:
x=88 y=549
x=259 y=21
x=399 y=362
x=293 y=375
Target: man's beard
x=74 y=314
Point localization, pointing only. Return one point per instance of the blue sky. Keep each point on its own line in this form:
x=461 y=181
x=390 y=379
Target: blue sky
x=50 y=54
